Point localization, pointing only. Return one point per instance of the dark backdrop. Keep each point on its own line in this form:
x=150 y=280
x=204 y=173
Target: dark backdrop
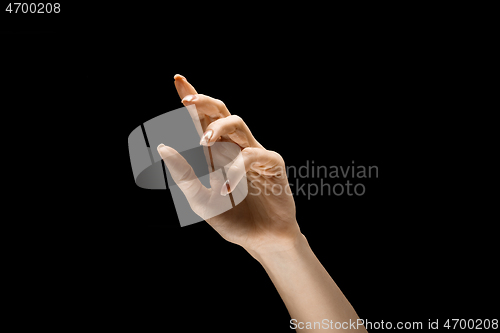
x=333 y=91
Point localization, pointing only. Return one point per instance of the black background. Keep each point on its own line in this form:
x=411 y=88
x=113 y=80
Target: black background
x=332 y=89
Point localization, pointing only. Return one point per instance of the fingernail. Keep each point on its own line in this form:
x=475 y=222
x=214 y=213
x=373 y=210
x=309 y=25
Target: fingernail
x=189 y=98
x=206 y=137
x=180 y=76
x=225 y=188
x=158 y=148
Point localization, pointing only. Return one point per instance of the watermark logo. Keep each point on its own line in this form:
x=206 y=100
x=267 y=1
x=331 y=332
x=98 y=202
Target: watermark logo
x=181 y=130
x=343 y=180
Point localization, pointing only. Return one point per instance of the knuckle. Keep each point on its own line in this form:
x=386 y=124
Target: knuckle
x=248 y=151
x=186 y=176
x=216 y=124
x=219 y=102
x=255 y=167
x=236 y=119
x=278 y=157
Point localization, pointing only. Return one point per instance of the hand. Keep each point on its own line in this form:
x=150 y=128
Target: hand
x=264 y=222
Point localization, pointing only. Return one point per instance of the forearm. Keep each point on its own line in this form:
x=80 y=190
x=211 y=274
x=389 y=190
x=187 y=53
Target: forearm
x=306 y=288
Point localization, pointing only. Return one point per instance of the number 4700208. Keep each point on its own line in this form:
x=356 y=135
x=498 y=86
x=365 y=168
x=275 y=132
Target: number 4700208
x=33 y=8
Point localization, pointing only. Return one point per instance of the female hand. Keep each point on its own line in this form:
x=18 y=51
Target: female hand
x=264 y=222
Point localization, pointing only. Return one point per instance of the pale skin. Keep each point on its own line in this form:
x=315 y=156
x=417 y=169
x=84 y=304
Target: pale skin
x=264 y=223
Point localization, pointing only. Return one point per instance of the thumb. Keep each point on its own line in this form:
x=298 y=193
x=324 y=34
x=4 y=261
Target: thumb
x=183 y=175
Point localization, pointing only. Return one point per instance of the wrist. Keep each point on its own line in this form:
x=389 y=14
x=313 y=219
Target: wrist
x=291 y=251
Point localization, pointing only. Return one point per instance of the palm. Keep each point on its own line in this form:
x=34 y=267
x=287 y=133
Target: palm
x=248 y=225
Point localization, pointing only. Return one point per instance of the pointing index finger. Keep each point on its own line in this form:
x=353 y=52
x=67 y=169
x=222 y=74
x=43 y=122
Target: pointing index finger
x=183 y=87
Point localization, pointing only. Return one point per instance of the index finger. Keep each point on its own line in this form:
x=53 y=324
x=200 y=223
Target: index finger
x=183 y=87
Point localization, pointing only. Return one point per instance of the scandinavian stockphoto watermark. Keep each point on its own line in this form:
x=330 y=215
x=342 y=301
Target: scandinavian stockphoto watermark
x=312 y=179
